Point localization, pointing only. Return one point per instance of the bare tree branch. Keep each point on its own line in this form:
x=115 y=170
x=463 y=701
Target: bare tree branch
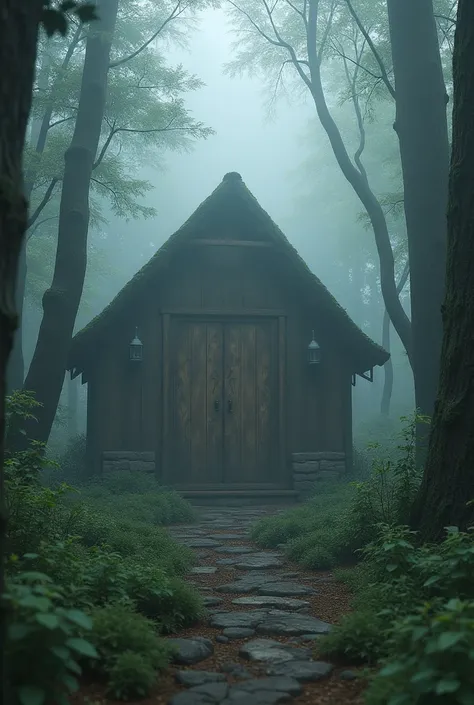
x=38 y=224
x=403 y=279
x=44 y=201
x=373 y=48
x=451 y=20
x=173 y=15
x=59 y=122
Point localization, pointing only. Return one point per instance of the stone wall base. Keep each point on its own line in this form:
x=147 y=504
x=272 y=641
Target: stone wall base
x=137 y=461
x=310 y=468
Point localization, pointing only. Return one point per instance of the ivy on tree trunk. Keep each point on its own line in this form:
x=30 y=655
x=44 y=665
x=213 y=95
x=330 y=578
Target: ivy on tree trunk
x=448 y=481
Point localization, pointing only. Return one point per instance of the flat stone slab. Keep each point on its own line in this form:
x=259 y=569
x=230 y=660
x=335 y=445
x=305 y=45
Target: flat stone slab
x=282 y=603
x=271 y=651
x=211 y=601
x=248 y=583
x=259 y=561
x=234 y=549
x=271 y=622
x=286 y=589
x=227 y=537
x=191 y=679
x=189 y=651
x=302 y=671
x=201 y=543
x=256 y=691
x=280 y=623
x=238 y=632
x=203 y=570
x=245 y=620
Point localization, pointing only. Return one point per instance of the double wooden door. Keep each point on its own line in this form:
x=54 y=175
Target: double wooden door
x=222 y=403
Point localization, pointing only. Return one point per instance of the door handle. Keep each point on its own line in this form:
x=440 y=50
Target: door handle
x=229 y=406
x=216 y=405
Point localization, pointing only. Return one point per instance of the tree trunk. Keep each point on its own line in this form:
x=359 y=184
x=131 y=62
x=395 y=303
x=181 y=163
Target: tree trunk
x=359 y=182
x=39 y=134
x=61 y=301
x=72 y=394
x=387 y=368
x=422 y=129
x=448 y=481
x=18 y=39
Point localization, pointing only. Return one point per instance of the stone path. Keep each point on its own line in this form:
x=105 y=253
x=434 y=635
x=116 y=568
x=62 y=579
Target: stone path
x=265 y=616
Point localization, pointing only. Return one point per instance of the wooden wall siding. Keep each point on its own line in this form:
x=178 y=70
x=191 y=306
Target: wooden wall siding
x=220 y=277
x=129 y=406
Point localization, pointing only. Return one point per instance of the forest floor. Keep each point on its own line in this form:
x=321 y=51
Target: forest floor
x=258 y=645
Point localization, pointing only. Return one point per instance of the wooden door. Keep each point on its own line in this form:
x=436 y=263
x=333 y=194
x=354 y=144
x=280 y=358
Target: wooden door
x=250 y=402
x=195 y=426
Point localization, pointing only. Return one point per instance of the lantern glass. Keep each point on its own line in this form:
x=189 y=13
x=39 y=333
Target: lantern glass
x=314 y=352
x=136 y=348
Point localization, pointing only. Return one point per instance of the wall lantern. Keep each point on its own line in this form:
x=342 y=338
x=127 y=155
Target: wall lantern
x=314 y=352
x=136 y=348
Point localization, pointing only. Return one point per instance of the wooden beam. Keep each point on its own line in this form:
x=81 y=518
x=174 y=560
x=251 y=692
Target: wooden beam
x=208 y=242
x=204 y=313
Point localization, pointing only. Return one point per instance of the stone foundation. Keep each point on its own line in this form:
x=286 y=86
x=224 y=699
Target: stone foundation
x=137 y=461
x=309 y=468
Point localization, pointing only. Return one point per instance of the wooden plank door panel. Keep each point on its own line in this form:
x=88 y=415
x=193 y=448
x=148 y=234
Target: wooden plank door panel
x=196 y=425
x=251 y=401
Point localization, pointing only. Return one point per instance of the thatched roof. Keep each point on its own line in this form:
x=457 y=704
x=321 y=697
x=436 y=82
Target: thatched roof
x=232 y=196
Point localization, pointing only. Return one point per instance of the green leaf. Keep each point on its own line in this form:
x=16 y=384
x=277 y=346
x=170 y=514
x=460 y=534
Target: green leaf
x=448 y=639
x=70 y=682
x=83 y=647
x=447 y=685
x=391 y=669
x=48 y=620
x=80 y=618
x=61 y=652
x=31 y=695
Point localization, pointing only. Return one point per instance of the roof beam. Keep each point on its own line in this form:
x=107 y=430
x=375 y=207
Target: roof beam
x=208 y=242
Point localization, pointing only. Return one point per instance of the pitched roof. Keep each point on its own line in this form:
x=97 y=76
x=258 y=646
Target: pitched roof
x=233 y=194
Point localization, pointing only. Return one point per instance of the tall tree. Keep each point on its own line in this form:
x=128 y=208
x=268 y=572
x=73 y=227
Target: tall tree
x=448 y=481
x=422 y=128
x=299 y=34
x=61 y=301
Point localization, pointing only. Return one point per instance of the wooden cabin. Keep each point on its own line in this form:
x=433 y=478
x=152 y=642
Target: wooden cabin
x=240 y=373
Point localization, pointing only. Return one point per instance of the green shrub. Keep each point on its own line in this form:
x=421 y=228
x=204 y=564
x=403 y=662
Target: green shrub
x=118 y=628
x=178 y=606
x=45 y=640
x=431 y=658
x=130 y=677
x=310 y=552
x=359 y=638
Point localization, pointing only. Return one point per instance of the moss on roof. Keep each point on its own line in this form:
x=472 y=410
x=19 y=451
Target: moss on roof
x=232 y=193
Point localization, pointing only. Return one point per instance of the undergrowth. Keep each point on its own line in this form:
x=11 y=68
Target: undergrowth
x=93 y=581
x=412 y=623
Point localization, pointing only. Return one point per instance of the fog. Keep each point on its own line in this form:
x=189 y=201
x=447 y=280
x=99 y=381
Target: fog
x=286 y=161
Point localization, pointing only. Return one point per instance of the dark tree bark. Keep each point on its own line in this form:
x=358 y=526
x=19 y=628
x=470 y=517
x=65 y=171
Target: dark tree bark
x=39 y=130
x=19 y=25
x=388 y=367
x=61 y=301
x=422 y=129
x=357 y=179
x=72 y=400
x=448 y=481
